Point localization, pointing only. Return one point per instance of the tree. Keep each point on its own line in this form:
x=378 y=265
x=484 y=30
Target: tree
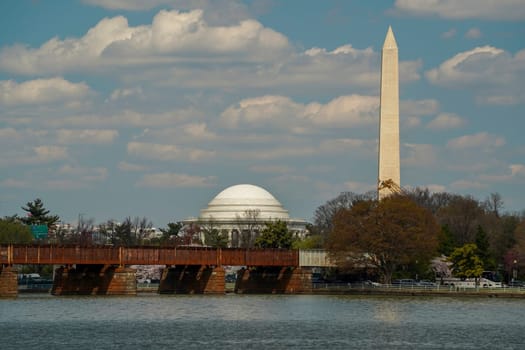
x=170 y=235
x=462 y=215
x=190 y=235
x=275 y=234
x=308 y=242
x=446 y=243
x=132 y=231
x=38 y=215
x=249 y=227
x=324 y=214
x=482 y=244
x=108 y=232
x=383 y=235
x=494 y=203
x=123 y=234
x=215 y=238
x=465 y=261
x=12 y=231
x=212 y=236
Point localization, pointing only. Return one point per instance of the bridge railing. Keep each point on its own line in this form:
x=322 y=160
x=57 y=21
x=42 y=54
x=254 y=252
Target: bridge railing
x=51 y=254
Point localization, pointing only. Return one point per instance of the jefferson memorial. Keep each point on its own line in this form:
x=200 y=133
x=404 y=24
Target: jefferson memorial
x=241 y=212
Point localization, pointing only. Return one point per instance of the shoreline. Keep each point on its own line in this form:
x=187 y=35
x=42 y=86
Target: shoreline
x=386 y=292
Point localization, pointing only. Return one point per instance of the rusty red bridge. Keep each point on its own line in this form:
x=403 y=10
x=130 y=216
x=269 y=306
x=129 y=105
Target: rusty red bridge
x=108 y=255
x=105 y=269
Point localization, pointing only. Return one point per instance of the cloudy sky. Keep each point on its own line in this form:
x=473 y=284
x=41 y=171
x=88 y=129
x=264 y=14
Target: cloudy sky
x=115 y=108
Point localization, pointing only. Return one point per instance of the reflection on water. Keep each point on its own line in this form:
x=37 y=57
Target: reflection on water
x=387 y=312
x=260 y=322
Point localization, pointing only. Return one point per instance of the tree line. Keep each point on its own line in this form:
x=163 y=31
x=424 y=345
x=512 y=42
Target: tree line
x=414 y=233
x=252 y=231
x=420 y=233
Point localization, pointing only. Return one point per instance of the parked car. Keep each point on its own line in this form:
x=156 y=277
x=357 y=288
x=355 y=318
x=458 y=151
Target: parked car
x=371 y=283
x=517 y=283
x=405 y=282
x=426 y=283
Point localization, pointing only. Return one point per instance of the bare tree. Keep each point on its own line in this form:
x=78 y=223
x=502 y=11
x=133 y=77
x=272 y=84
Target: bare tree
x=494 y=203
x=249 y=227
x=324 y=215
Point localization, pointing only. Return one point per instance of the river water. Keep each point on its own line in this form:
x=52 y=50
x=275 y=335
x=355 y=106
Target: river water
x=152 y=321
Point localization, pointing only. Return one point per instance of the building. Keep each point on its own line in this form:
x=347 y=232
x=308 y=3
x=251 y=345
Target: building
x=241 y=211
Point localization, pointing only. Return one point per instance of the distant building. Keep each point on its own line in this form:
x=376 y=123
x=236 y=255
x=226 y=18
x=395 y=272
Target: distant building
x=241 y=211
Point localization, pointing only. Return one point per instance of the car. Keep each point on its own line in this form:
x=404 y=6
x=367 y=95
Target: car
x=517 y=283
x=371 y=283
x=405 y=282
x=426 y=284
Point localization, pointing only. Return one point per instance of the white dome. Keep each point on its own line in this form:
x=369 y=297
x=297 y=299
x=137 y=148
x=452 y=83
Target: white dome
x=233 y=203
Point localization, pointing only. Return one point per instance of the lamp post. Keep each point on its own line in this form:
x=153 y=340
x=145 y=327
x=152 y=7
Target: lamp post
x=515 y=270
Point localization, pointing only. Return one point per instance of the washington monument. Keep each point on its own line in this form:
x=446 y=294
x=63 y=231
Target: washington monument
x=389 y=173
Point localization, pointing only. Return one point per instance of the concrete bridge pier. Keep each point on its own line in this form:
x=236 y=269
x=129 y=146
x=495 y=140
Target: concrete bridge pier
x=274 y=280
x=94 y=280
x=8 y=282
x=192 y=279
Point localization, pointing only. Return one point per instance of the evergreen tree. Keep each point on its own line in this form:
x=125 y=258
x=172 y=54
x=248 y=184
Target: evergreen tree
x=38 y=215
x=275 y=235
x=482 y=242
x=214 y=238
x=446 y=242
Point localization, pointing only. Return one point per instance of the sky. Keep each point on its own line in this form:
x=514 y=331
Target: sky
x=117 y=108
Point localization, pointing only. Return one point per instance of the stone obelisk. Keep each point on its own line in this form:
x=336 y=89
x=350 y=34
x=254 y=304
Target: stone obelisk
x=389 y=170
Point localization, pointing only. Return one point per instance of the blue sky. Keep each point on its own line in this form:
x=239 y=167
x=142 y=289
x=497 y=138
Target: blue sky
x=113 y=108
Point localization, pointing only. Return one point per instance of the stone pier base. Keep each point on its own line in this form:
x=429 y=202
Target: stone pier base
x=94 y=280
x=192 y=279
x=8 y=282
x=274 y=280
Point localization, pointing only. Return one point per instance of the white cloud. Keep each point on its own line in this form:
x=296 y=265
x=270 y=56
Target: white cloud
x=418 y=107
x=467 y=184
x=173 y=35
x=14 y=183
x=45 y=154
x=41 y=91
x=279 y=111
x=172 y=180
x=449 y=33
x=271 y=169
x=130 y=5
x=167 y=152
x=121 y=119
x=361 y=147
x=359 y=187
x=419 y=155
x=86 y=136
x=84 y=174
x=126 y=166
x=274 y=153
x=515 y=171
x=473 y=33
x=492 y=74
x=30 y=155
x=119 y=94
x=305 y=71
x=446 y=121
x=453 y=9
x=216 y=11
x=465 y=67
x=482 y=140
